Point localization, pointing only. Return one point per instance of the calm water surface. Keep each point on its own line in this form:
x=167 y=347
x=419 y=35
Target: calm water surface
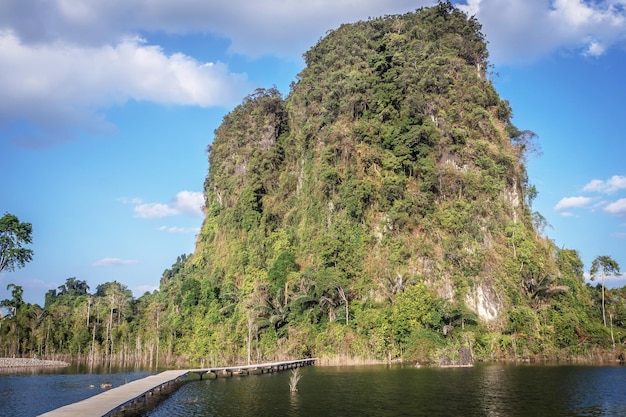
x=30 y=392
x=487 y=390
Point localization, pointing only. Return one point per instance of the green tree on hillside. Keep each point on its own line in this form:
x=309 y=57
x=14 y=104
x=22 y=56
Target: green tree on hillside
x=73 y=286
x=16 y=300
x=14 y=234
x=603 y=265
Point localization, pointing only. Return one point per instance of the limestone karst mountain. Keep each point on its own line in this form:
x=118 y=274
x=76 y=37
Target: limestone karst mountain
x=382 y=208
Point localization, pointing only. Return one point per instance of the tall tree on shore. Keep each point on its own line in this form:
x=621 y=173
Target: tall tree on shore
x=16 y=300
x=603 y=265
x=14 y=234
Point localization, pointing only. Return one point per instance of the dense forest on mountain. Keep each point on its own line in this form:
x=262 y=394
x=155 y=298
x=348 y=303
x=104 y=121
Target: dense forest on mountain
x=380 y=210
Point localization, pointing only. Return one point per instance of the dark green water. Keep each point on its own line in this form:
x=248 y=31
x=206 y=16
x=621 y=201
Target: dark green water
x=485 y=390
x=488 y=390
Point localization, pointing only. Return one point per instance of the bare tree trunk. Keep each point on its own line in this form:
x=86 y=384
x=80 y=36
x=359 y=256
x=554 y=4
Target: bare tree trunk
x=342 y=294
x=612 y=338
x=138 y=348
x=157 y=340
x=110 y=334
x=250 y=322
x=157 y=353
x=603 y=314
x=88 y=310
x=47 y=335
x=93 y=342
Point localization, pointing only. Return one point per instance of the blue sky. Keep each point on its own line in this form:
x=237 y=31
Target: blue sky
x=108 y=107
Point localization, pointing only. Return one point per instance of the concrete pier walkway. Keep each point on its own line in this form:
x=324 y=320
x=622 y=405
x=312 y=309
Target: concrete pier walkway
x=137 y=394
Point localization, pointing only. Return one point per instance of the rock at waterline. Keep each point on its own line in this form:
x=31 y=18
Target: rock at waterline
x=28 y=362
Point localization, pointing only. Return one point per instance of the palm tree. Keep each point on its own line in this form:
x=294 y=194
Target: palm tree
x=274 y=311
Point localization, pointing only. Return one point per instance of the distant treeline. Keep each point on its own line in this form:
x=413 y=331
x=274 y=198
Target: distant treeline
x=111 y=325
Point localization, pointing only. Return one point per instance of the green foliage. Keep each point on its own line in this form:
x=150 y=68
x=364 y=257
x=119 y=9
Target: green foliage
x=277 y=274
x=381 y=209
x=13 y=235
x=413 y=309
x=16 y=301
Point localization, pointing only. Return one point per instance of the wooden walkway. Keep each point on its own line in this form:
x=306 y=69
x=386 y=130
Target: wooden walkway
x=251 y=369
x=140 y=393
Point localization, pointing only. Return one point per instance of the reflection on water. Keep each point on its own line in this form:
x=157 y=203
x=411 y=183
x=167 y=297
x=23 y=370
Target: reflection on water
x=488 y=390
x=599 y=391
x=485 y=390
x=521 y=390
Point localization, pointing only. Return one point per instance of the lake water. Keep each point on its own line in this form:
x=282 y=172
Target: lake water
x=30 y=392
x=484 y=390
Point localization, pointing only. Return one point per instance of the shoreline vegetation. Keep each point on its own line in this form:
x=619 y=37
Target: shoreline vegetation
x=595 y=357
x=30 y=363
x=598 y=358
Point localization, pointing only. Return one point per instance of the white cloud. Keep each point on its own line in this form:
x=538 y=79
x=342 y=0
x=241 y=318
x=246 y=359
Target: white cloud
x=517 y=30
x=572 y=202
x=189 y=202
x=595 y=49
x=63 y=84
x=154 y=210
x=610 y=280
x=521 y=31
x=175 y=229
x=615 y=183
x=594 y=185
x=617 y=208
x=63 y=63
x=254 y=28
x=134 y=200
x=519 y=27
x=142 y=289
x=186 y=202
x=114 y=262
